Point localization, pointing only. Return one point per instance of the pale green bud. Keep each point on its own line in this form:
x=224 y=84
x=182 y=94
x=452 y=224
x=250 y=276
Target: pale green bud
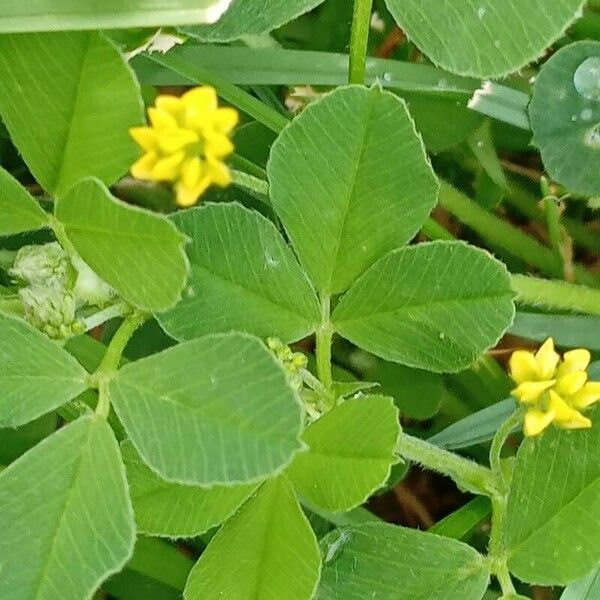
x=47 y=265
x=89 y=288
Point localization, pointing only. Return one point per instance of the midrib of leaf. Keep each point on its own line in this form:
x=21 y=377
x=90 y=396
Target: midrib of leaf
x=263 y=550
x=352 y=186
x=76 y=473
x=422 y=305
x=250 y=292
x=209 y=418
x=57 y=180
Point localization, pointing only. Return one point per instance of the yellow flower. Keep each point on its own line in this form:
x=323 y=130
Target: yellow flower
x=553 y=389
x=186 y=142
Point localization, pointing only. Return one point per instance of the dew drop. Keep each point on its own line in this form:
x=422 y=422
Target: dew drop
x=480 y=144
x=442 y=335
x=586 y=114
x=387 y=76
x=497 y=43
x=481 y=12
x=190 y=291
x=587 y=78
x=591 y=137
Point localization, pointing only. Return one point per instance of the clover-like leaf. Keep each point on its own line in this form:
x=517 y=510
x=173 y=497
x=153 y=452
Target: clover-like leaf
x=68 y=99
x=137 y=252
x=36 y=374
x=433 y=306
x=497 y=38
x=244 y=277
x=215 y=410
x=565 y=116
x=350 y=182
x=351 y=451
x=266 y=550
x=66 y=517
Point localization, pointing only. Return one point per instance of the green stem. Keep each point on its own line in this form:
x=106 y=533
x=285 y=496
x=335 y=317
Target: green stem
x=497 y=551
x=498 y=442
x=556 y=294
x=359 y=40
x=110 y=363
x=61 y=236
x=555 y=232
x=466 y=473
x=116 y=310
x=257 y=187
x=504 y=235
x=324 y=336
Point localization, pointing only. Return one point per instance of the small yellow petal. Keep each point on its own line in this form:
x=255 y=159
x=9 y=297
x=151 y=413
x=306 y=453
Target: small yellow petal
x=570 y=384
x=536 y=421
x=574 y=360
x=170 y=104
x=188 y=196
x=167 y=169
x=219 y=172
x=587 y=395
x=523 y=366
x=203 y=98
x=547 y=359
x=146 y=137
x=578 y=421
x=225 y=119
x=191 y=171
x=161 y=120
x=562 y=411
x=530 y=391
x=173 y=140
x=218 y=145
x=142 y=168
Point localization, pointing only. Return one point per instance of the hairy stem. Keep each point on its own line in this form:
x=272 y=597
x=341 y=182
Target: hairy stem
x=556 y=294
x=359 y=39
x=466 y=473
x=498 y=442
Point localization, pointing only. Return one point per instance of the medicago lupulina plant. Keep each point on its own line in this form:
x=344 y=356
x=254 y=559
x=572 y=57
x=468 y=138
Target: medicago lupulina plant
x=226 y=327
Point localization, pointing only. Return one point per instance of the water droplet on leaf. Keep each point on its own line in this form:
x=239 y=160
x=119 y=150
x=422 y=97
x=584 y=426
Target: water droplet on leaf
x=587 y=78
x=591 y=137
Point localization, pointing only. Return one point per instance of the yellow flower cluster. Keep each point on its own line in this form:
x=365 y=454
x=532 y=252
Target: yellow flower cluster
x=553 y=389
x=186 y=142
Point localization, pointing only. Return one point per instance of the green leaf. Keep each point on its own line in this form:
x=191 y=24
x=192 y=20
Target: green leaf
x=462 y=522
x=216 y=410
x=433 y=306
x=174 y=510
x=244 y=277
x=267 y=550
x=351 y=451
x=497 y=38
x=137 y=252
x=350 y=181
x=53 y=15
x=66 y=517
x=565 y=117
x=567 y=330
x=417 y=393
x=586 y=588
x=18 y=209
x=476 y=428
x=68 y=100
x=555 y=487
x=394 y=563
x=252 y=17
x=36 y=374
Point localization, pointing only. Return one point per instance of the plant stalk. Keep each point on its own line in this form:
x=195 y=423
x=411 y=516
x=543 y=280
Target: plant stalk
x=466 y=473
x=359 y=39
